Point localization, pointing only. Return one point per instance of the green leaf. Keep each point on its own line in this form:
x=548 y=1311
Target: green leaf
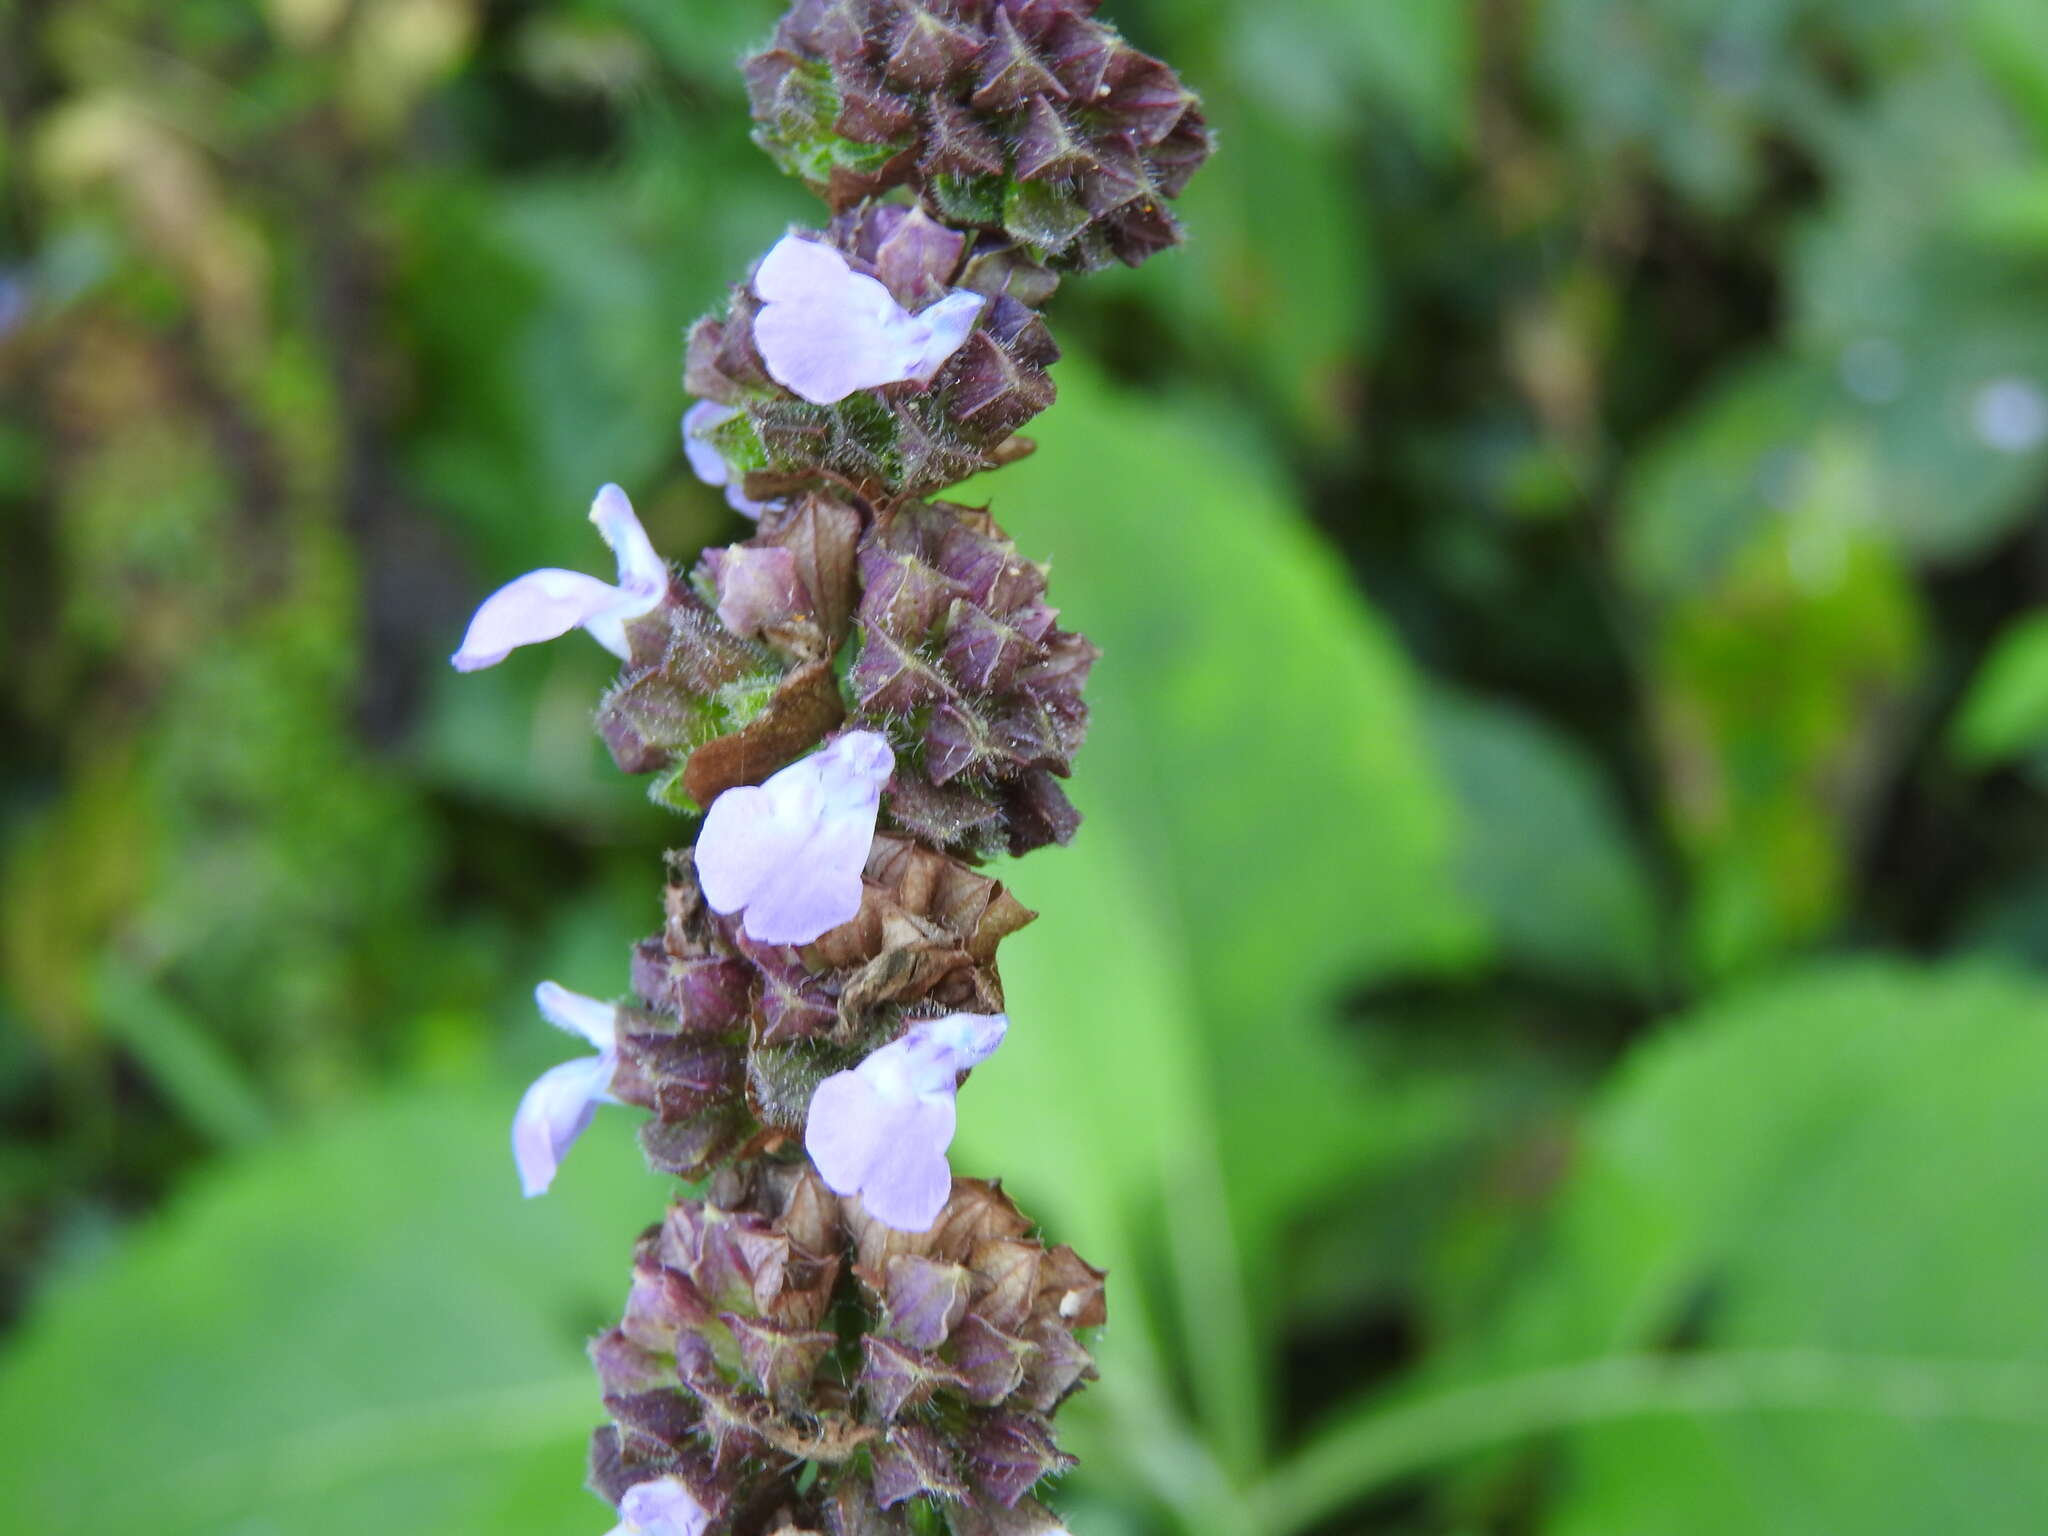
x=187 y=1063
x=2005 y=713
x=2011 y=38
x=1262 y=830
x=1547 y=855
x=1254 y=736
x=1096 y=1111
x=1844 y=1166
x=1420 y=59
x=359 y=1329
x=1706 y=484
x=1778 y=683
x=1279 y=279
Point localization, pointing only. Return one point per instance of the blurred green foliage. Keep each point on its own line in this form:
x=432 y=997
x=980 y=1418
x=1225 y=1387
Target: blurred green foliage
x=1544 y=1017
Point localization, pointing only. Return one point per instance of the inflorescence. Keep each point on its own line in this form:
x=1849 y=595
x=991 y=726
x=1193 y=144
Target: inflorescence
x=857 y=706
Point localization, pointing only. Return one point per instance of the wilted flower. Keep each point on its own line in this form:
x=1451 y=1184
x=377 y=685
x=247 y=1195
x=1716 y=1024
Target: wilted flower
x=707 y=463
x=559 y=1105
x=826 y=330
x=790 y=851
x=544 y=604
x=758 y=586
x=663 y=1507
x=881 y=1130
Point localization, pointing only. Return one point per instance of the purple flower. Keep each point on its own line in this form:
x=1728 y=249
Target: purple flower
x=543 y=604
x=663 y=1507
x=559 y=1105
x=790 y=851
x=825 y=330
x=707 y=463
x=881 y=1131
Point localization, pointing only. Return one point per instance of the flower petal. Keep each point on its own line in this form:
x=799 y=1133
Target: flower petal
x=908 y=1184
x=869 y=1135
x=797 y=270
x=595 y=1021
x=642 y=571
x=844 y=1129
x=706 y=462
x=937 y=1051
x=825 y=330
x=553 y=1113
x=790 y=851
x=881 y=1130
x=537 y=606
x=811 y=895
x=877 y=1140
x=663 y=1507
x=749 y=833
x=945 y=325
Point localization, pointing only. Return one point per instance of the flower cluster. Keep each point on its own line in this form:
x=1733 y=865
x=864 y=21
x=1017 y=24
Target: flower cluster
x=854 y=706
x=1027 y=121
x=727 y=1366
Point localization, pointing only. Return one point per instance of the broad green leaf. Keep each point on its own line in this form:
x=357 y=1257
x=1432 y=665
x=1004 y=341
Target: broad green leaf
x=1262 y=829
x=2011 y=38
x=1546 y=854
x=360 y=1329
x=1419 y=59
x=1842 y=1165
x=1280 y=278
x=1255 y=740
x=1793 y=1284
x=2005 y=713
x=1097 y=1113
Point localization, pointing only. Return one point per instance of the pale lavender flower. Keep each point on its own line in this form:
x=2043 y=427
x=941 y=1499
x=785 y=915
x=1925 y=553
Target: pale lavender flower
x=790 y=851
x=662 y=1507
x=707 y=463
x=881 y=1130
x=544 y=604
x=559 y=1106
x=825 y=330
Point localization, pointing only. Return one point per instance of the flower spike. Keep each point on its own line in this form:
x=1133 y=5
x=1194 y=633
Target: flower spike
x=544 y=604
x=881 y=1130
x=832 y=1334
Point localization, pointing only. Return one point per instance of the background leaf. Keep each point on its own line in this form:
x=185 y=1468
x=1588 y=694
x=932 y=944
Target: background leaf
x=1840 y=1164
x=262 y=1368
x=2005 y=712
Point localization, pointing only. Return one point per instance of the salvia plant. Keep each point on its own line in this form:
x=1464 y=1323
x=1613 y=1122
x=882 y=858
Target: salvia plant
x=855 y=708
